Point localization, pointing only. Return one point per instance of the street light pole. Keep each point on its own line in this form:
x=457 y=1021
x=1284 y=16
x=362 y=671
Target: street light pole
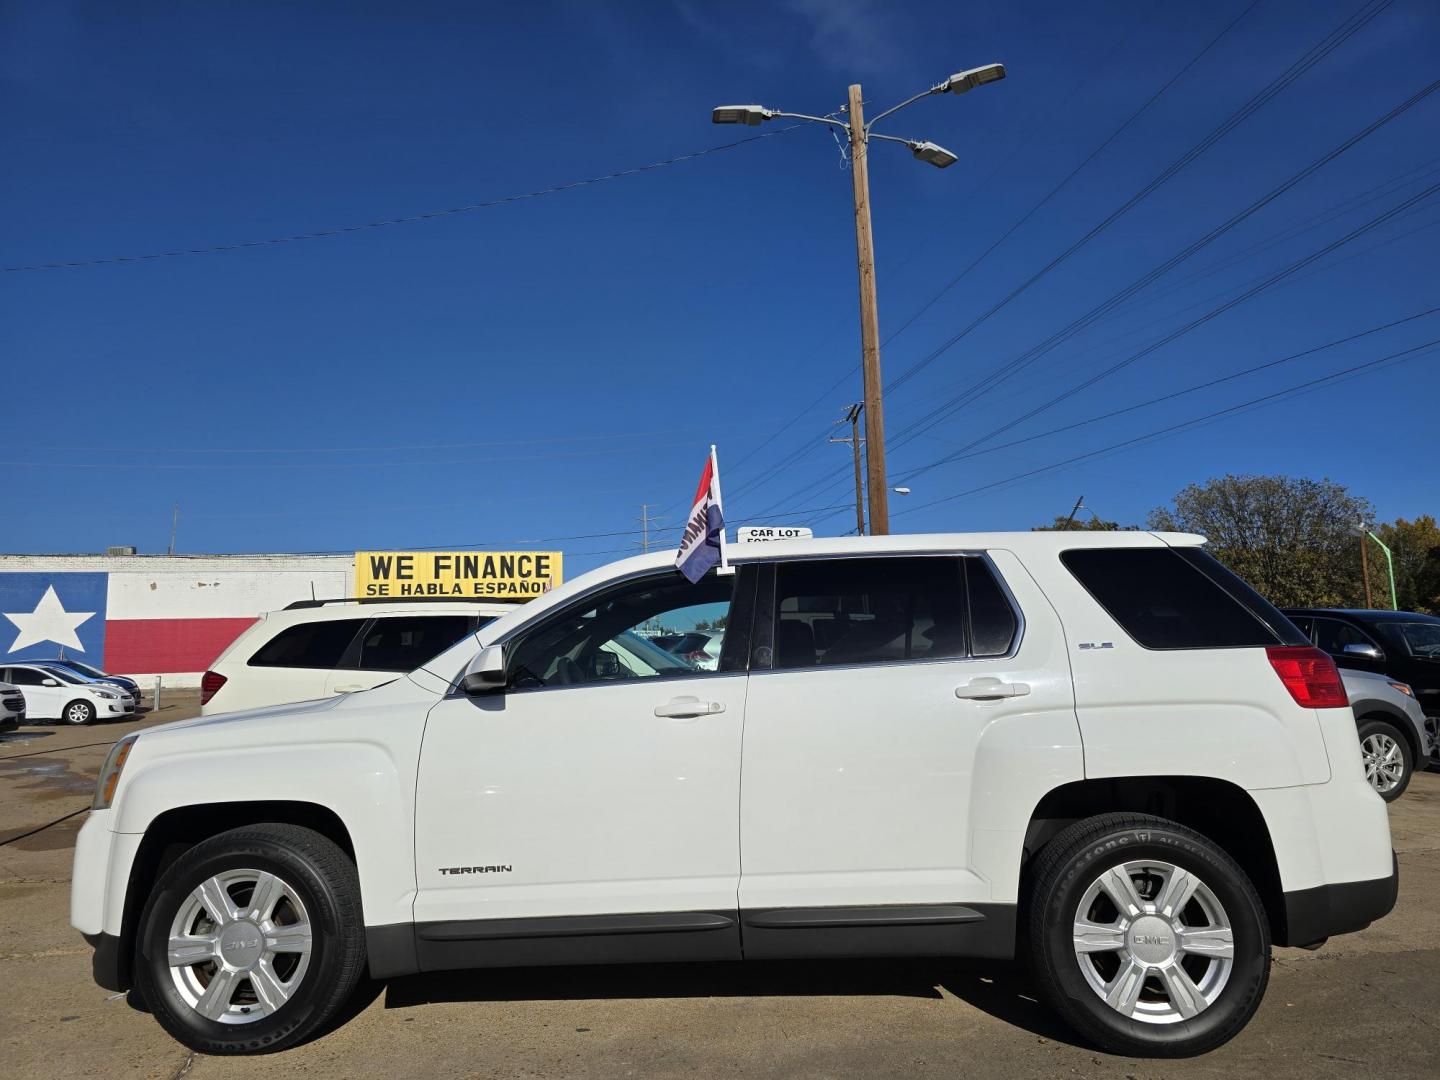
x=1362 y=530
x=877 y=489
x=860 y=133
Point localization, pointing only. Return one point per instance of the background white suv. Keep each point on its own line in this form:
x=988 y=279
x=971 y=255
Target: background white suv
x=315 y=648
x=57 y=694
x=1100 y=750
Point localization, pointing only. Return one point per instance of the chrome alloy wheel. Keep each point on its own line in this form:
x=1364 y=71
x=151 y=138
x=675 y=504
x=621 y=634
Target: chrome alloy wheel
x=239 y=946
x=1153 y=942
x=1384 y=761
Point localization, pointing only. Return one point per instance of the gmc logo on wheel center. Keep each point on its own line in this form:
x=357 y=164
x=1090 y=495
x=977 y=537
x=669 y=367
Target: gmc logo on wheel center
x=500 y=869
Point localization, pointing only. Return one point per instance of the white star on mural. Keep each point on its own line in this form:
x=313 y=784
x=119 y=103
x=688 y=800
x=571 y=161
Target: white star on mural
x=48 y=622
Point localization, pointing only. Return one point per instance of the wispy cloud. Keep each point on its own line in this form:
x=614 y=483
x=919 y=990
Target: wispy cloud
x=854 y=36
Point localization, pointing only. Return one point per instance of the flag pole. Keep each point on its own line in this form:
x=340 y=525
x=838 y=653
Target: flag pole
x=725 y=567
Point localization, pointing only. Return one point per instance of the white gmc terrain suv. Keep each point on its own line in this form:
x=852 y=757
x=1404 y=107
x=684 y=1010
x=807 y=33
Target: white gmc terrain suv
x=1100 y=751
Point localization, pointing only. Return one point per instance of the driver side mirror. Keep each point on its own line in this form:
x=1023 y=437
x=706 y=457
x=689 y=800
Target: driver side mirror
x=1364 y=651
x=49 y=682
x=486 y=672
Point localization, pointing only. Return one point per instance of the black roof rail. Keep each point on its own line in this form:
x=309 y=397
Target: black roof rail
x=297 y=604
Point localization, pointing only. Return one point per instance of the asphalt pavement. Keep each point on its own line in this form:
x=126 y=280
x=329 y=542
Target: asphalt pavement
x=1364 y=1002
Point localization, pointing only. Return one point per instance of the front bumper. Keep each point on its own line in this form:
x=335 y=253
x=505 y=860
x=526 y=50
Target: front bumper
x=1312 y=915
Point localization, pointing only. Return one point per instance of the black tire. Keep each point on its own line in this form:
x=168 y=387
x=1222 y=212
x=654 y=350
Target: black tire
x=1383 y=729
x=325 y=881
x=79 y=712
x=1075 y=860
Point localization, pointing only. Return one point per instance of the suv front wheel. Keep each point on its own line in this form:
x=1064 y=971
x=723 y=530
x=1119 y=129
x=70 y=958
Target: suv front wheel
x=1146 y=937
x=252 y=941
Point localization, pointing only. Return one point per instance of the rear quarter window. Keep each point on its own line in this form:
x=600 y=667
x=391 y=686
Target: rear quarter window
x=308 y=645
x=1166 y=598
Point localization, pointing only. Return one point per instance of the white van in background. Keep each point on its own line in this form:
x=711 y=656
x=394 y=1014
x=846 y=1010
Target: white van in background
x=314 y=648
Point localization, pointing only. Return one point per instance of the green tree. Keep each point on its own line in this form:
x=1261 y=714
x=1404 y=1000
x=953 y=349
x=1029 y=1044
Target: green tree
x=1290 y=537
x=1416 y=547
x=1063 y=523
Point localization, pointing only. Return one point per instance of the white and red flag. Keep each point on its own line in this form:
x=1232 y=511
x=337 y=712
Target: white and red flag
x=702 y=546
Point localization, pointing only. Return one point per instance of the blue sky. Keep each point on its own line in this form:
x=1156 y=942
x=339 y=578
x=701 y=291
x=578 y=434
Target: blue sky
x=542 y=368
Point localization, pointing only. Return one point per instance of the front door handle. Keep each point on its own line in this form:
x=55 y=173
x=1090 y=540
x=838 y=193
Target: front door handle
x=988 y=689
x=348 y=688
x=687 y=708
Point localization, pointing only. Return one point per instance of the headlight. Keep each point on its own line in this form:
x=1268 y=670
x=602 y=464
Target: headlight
x=1404 y=688
x=109 y=695
x=110 y=774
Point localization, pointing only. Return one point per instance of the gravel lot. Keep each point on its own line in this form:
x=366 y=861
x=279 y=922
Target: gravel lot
x=1366 y=1000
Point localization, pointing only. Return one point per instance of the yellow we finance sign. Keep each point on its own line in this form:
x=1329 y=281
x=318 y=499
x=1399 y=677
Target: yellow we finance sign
x=488 y=575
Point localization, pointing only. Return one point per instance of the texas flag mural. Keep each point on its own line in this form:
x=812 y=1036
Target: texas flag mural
x=133 y=623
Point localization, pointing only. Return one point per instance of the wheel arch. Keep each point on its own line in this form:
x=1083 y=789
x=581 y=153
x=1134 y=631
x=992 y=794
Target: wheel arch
x=1221 y=810
x=180 y=828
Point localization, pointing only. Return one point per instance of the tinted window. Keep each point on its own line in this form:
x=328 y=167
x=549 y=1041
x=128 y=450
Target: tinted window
x=1418 y=638
x=1302 y=623
x=866 y=611
x=1165 y=602
x=1332 y=635
x=608 y=639
x=404 y=642
x=26 y=677
x=992 y=620
x=309 y=645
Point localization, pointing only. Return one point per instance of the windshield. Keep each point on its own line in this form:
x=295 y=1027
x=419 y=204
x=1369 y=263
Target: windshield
x=83 y=669
x=1420 y=638
x=64 y=676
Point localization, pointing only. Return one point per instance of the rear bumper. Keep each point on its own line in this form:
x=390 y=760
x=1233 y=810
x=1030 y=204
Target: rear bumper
x=1312 y=915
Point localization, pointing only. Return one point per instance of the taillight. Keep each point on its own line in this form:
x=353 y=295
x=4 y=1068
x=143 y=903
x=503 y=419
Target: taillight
x=210 y=683
x=1310 y=675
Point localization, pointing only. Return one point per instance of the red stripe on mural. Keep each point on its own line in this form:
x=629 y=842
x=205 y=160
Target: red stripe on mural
x=153 y=646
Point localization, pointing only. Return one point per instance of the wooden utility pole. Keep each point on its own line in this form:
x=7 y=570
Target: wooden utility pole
x=1365 y=569
x=174 y=525
x=869 y=322
x=853 y=418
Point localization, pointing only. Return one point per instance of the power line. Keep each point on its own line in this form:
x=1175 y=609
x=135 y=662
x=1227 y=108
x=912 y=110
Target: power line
x=1215 y=312
x=1300 y=388
x=1318 y=52
x=1010 y=368
x=409 y=219
x=1197 y=387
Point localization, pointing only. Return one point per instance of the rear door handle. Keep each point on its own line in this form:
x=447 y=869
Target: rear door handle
x=991 y=690
x=687 y=708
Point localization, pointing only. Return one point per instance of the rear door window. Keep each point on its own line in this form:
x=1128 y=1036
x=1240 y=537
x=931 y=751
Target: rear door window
x=404 y=642
x=868 y=611
x=309 y=645
x=1168 y=600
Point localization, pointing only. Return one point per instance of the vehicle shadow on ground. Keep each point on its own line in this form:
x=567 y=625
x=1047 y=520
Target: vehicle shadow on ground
x=1001 y=990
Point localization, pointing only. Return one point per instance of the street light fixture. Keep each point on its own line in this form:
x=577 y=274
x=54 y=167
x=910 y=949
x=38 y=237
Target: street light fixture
x=860 y=134
x=753 y=115
x=962 y=82
x=933 y=153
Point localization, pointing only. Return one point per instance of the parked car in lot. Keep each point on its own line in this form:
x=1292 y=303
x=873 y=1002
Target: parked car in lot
x=1107 y=735
x=700 y=647
x=1394 y=741
x=12 y=707
x=315 y=648
x=94 y=674
x=1402 y=644
x=58 y=694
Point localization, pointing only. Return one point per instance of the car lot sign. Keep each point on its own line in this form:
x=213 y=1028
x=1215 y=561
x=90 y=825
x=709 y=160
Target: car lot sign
x=486 y=575
x=748 y=534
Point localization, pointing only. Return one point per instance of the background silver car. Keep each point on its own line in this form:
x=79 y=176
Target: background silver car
x=1394 y=741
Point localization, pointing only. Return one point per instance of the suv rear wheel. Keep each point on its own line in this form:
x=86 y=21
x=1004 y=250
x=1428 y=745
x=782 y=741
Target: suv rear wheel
x=1146 y=937
x=252 y=941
